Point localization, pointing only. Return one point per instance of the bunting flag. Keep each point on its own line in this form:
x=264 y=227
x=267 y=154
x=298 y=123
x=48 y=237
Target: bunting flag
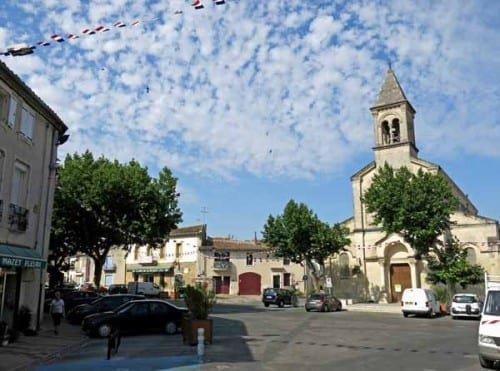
x=26 y=49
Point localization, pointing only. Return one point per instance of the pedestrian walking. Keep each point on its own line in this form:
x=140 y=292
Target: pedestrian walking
x=57 y=311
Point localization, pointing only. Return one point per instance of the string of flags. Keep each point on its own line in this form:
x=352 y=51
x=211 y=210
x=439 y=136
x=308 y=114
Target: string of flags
x=476 y=243
x=22 y=49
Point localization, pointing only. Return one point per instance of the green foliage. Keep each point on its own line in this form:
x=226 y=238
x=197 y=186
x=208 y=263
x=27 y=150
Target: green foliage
x=442 y=294
x=300 y=236
x=100 y=203
x=199 y=301
x=417 y=206
x=448 y=265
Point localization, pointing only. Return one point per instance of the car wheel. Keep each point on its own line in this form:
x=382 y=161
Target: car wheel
x=308 y=310
x=405 y=314
x=104 y=330
x=281 y=304
x=266 y=304
x=170 y=328
x=486 y=363
x=339 y=307
x=431 y=313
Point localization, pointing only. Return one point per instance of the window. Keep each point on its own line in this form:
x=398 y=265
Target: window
x=395 y=131
x=2 y=159
x=249 y=259
x=27 y=123
x=286 y=261
x=4 y=106
x=178 y=250
x=136 y=253
x=162 y=252
x=287 y=279
x=148 y=251
x=19 y=185
x=385 y=133
x=11 y=120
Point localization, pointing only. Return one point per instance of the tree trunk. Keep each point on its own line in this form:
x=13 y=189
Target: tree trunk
x=98 y=264
x=315 y=275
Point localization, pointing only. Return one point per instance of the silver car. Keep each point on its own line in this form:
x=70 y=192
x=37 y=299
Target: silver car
x=466 y=305
x=323 y=303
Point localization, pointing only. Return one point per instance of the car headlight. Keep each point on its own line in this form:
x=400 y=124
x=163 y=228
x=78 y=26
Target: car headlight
x=486 y=339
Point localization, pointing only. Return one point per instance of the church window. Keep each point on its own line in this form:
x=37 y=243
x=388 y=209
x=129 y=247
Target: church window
x=385 y=133
x=395 y=134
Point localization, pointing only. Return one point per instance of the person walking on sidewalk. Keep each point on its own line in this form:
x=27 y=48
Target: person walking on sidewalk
x=57 y=311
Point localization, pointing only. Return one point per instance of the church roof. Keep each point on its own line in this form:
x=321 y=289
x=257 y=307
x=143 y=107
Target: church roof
x=391 y=92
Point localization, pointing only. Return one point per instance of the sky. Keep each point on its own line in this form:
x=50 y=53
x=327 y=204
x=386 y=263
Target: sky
x=253 y=103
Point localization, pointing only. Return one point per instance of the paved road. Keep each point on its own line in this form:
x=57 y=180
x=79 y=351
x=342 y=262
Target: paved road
x=251 y=337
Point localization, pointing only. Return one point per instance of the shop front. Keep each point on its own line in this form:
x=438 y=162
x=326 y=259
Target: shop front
x=17 y=264
x=162 y=274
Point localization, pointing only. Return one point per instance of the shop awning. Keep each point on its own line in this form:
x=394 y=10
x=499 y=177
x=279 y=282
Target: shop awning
x=19 y=257
x=139 y=268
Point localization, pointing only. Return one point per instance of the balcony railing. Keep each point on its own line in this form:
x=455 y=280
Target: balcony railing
x=18 y=218
x=221 y=264
x=109 y=268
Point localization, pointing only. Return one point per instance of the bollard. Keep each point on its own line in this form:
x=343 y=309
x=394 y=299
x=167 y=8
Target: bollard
x=201 y=342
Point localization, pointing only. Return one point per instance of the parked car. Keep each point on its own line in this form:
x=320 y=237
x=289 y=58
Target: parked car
x=466 y=305
x=138 y=316
x=103 y=304
x=144 y=288
x=118 y=289
x=419 y=302
x=279 y=297
x=323 y=303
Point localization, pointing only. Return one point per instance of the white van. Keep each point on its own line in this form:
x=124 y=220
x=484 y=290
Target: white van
x=144 y=288
x=489 y=327
x=419 y=301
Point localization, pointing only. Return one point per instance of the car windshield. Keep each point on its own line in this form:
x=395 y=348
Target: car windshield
x=122 y=308
x=269 y=292
x=492 y=306
x=465 y=299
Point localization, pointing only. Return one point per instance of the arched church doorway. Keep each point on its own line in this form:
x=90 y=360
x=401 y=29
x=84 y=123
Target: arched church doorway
x=400 y=280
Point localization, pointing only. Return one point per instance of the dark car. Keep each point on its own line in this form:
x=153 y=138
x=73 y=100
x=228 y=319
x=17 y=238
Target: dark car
x=323 y=303
x=138 y=316
x=117 y=289
x=279 y=297
x=103 y=304
x=71 y=298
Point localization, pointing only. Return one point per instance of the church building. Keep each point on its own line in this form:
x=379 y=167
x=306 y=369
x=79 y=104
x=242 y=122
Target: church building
x=387 y=261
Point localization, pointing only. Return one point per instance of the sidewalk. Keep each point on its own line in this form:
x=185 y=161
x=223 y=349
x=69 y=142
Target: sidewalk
x=29 y=350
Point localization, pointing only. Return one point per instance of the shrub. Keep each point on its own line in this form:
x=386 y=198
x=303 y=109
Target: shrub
x=199 y=301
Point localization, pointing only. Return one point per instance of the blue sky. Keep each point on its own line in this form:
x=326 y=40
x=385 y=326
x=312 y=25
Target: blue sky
x=256 y=102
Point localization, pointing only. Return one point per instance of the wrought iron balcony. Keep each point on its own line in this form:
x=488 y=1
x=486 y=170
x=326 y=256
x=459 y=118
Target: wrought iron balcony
x=221 y=265
x=18 y=218
x=109 y=268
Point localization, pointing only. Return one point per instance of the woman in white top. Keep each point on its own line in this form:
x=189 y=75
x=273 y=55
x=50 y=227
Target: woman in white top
x=57 y=311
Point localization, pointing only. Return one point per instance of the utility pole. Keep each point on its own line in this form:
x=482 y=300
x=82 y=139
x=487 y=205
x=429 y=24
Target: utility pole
x=204 y=211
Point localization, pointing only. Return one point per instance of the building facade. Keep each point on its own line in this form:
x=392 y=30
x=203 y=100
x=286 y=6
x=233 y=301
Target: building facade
x=171 y=265
x=246 y=268
x=387 y=261
x=30 y=134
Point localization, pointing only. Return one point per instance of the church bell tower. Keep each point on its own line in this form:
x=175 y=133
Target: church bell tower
x=393 y=126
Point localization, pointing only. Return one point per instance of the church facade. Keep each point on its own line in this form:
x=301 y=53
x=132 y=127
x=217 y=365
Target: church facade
x=387 y=261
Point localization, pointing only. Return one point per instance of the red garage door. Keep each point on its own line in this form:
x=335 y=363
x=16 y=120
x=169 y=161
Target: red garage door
x=249 y=284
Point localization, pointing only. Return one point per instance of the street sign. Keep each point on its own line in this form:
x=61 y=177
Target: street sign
x=329 y=282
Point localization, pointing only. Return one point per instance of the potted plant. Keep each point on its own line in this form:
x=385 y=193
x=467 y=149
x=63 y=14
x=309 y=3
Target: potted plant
x=199 y=302
x=443 y=296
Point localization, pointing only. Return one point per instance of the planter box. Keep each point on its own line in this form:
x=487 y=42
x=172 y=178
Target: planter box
x=190 y=330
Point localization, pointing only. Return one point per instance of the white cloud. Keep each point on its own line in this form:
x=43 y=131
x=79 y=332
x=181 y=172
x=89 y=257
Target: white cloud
x=271 y=88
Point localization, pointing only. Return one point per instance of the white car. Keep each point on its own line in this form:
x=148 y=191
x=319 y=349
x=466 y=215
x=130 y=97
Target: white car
x=466 y=305
x=419 y=301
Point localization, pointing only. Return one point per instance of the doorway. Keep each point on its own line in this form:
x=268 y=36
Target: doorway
x=400 y=280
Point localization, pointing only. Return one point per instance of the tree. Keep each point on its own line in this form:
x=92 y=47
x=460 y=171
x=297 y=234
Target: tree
x=300 y=236
x=449 y=265
x=100 y=203
x=417 y=206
